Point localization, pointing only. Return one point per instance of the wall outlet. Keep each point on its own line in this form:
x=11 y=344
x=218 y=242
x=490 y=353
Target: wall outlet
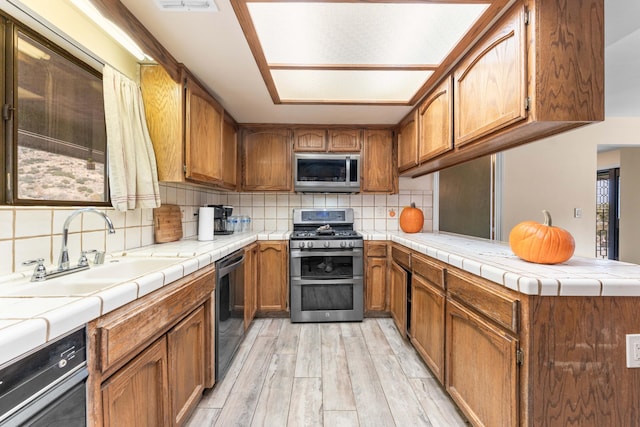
x=577 y=212
x=633 y=351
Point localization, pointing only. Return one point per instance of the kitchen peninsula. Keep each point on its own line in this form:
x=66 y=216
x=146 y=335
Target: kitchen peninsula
x=536 y=329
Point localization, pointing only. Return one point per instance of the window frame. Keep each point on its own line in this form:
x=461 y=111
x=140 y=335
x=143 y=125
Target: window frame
x=9 y=28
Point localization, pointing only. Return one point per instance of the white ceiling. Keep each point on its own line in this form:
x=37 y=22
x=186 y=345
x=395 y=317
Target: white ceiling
x=214 y=48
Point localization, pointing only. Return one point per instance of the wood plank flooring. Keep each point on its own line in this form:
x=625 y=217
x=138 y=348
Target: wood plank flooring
x=327 y=374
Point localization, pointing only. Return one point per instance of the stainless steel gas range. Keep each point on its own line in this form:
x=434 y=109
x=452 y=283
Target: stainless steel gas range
x=326 y=266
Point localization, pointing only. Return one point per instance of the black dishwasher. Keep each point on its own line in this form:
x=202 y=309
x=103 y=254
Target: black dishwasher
x=47 y=387
x=229 y=315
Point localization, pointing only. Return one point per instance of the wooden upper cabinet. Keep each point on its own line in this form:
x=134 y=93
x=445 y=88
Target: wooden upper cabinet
x=310 y=140
x=266 y=160
x=345 y=140
x=186 y=127
x=491 y=83
x=163 y=100
x=408 y=142
x=203 y=135
x=229 y=156
x=378 y=166
x=526 y=79
x=435 y=122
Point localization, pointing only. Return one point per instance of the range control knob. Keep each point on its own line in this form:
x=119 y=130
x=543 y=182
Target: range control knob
x=301 y=245
x=351 y=244
x=309 y=245
x=327 y=244
x=343 y=244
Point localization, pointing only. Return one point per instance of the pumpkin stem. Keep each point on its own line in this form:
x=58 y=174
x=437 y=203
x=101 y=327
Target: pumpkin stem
x=547 y=217
x=413 y=204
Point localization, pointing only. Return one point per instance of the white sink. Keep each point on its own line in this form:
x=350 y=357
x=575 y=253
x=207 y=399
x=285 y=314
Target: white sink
x=96 y=278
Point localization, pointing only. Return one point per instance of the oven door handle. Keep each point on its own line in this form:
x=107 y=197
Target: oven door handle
x=310 y=282
x=299 y=253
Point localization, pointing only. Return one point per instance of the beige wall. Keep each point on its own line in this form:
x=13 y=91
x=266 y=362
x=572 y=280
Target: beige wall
x=629 y=205
x=63 y=15
x=559 y=174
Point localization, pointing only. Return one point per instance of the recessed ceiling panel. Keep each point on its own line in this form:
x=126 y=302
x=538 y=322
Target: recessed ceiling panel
x=355 y=51
x=348 y=86
x=360 y=33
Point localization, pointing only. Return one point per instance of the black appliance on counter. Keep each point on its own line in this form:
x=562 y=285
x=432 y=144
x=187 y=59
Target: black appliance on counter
x=326 y=266
x=47 y=387
x=220 y=215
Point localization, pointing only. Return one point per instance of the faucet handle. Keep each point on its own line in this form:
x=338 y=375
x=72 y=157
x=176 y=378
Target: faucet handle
x=83 y=261
x=40 y=272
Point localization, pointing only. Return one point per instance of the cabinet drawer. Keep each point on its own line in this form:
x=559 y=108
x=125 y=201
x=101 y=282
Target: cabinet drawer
x=429 y=270
x=401 y=256
x=124 y=332
x=377 y=250
x=501 y=308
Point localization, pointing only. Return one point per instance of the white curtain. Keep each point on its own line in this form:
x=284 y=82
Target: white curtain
x=133 y=175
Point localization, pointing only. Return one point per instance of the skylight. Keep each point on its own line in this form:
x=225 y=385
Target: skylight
x=352 y=52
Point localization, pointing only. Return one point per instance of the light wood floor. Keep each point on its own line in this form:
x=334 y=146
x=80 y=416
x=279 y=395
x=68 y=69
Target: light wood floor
x=331 y=374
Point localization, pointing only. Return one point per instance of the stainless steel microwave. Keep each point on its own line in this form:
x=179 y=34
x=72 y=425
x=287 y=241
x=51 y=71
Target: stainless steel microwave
x=326 y=173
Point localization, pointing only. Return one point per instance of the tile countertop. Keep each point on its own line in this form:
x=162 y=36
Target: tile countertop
x=28 y=322
x=495 y=261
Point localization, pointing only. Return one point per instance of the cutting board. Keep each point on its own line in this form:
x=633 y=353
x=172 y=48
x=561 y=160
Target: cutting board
x=167 y=221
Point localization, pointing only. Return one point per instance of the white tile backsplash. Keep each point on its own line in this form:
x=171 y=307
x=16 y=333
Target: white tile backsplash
x=33 y=232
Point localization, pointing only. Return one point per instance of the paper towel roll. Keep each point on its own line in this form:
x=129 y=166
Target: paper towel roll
x=205 y=223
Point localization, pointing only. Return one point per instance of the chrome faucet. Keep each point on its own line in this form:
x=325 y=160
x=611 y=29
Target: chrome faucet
x=63 y=260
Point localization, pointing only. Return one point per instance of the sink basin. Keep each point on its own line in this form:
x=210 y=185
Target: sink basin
x=98 y=277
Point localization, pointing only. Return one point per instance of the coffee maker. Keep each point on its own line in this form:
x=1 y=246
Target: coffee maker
x=220 y=215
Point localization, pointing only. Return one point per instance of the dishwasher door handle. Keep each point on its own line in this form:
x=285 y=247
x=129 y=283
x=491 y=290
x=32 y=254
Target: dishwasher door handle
x=223 y=271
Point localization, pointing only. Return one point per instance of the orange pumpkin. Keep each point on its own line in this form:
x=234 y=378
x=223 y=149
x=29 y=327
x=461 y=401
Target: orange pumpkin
x=541 y=243
x=411 y=219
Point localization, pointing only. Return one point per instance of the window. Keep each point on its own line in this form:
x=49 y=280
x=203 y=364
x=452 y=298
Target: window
x=55 y=138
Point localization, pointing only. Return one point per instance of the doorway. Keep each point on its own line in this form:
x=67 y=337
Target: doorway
x=607 y=213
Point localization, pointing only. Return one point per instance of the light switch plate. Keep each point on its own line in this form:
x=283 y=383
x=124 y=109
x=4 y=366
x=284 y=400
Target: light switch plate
x=633 y=351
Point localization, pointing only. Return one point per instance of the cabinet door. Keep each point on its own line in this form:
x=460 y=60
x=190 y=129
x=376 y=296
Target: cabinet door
x=427 y=324
x=482 y=375
x=186 y=348
x=398 y=297
x=408 y=143
x=490 y=83
x=310 y=140
x=164 y=110
x=229 y=156
x=266 y=160
x=138 y=394
x=376 y=284
x=203 y=135
x=345 y=140
x=377 y=162
x=273 y=278
x=250 y=284
x=436 y=128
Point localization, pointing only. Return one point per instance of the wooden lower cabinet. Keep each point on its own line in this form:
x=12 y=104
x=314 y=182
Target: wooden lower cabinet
x=273 y=276
x=138 y=394
x=398 y=297
x=482 y=371
x=186 y=351
x=375 y=277
x=250 y=283
x=427 y=324
x=150 y=360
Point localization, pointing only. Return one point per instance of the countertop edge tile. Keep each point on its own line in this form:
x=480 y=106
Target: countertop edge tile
x=21 y=337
